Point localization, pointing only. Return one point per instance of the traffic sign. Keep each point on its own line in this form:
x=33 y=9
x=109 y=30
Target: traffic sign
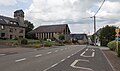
x=117 y=30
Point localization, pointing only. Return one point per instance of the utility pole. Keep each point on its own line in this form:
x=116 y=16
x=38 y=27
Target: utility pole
x=94 y=18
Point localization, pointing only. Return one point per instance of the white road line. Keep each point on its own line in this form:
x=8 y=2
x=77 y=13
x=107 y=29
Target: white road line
x=56 y=50
x=93 y=49
x=20 y=60
x=57 y=62
x=72 y=54
x=49 y=52
x=83 y=53
x=108 y=61
x=68 y=56
x=62 y=60
x=51 y=67
x=54 y=65
x=86 y=49
x=93 y=54
x=2 y=54
x=75 y=62
x=38 y=55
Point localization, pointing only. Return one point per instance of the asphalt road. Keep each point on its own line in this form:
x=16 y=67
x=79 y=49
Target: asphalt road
x=66 y=58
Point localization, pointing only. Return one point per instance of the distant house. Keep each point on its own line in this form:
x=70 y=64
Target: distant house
x=97 y=35
x=51 y=31
x=11 y=28
x=82 y=38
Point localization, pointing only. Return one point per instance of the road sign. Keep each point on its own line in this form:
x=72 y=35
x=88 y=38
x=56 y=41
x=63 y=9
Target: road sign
x=117 y=30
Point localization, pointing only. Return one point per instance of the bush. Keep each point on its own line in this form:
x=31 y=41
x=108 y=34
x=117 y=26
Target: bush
x=67 y=42
x=47 y=45
x=23 y=41
x=112 y=45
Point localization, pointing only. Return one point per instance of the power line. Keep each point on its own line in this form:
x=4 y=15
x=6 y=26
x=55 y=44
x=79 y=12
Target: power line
x=99 y=8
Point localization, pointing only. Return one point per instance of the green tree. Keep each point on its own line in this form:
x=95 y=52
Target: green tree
x=29 y=28
x=107 y=34
x=62 y=37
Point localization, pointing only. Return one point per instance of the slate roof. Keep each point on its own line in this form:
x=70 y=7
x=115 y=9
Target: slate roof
x=6 y=21
x=19 y=11
x=50 y=28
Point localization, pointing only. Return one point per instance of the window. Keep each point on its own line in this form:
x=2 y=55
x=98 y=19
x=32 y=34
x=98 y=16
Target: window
x=11 y=30
x=20 y=36
x=2 y=27
x=11 y=36
x=2 y=34
x=21 y=31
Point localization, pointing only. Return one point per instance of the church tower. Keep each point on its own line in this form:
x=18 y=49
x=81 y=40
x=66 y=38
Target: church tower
x=19 y=15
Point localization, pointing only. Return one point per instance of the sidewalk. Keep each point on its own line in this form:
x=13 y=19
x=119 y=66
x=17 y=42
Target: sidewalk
x=112 y=57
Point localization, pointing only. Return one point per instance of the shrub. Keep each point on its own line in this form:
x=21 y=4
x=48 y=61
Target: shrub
x=23 y=41
x=47 y=45
x=112 y=45
x=67 y=42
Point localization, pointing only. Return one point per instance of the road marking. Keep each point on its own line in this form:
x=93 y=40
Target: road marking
x=75 y=62
x=38 y=55
x=2 y=54
x=58 y=62
x=54 y=65
x=56 y=51
x=93 y=49
x=68 y=56
x=83 y=53
x=50 y=67
x=93 y=54
x=108 y=61
x=72 y=54
x=62 y=60
x=20 y=60
x=86 y=49
x=49 y=52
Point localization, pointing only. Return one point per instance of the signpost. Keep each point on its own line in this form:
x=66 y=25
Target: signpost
x=117 y=30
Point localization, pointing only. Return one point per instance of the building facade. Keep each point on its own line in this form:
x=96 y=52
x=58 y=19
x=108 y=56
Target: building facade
x=51 y=31
x=81 y=38
x=11 y=28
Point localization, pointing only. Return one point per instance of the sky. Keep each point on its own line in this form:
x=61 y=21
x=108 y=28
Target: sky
x=75 y=13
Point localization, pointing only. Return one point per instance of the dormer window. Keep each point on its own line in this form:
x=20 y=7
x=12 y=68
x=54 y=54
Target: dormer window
x=15 y=23
x=2 y=27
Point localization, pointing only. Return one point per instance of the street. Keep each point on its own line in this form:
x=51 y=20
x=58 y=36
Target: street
x=62 y=58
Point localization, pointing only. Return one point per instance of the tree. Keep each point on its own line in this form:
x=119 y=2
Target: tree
x=62 y=37
x=107 y=34
x=29 y=28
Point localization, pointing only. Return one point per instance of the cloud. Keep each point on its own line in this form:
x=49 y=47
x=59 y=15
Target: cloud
x=73 y=12
x=11 y=2
x=7 y=2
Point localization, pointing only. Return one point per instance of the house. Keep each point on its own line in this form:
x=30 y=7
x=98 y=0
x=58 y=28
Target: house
x=11 y=28
x=51 y=31
x=97 y=36
x=82 y=38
